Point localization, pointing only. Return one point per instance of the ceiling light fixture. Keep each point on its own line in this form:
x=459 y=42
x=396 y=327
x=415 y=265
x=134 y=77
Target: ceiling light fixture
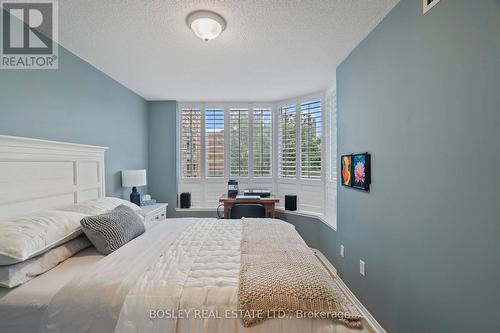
x=206 y=24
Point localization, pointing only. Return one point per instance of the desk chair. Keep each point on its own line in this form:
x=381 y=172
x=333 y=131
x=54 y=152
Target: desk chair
x=247 y=210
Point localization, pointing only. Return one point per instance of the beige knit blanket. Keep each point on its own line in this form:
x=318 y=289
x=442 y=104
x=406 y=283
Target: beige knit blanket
x=281 y=275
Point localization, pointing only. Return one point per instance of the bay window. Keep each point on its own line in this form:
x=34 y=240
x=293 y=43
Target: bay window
x=282 y=146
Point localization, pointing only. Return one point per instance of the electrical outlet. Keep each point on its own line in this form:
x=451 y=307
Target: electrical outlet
x=362 y=267
x=342 y=253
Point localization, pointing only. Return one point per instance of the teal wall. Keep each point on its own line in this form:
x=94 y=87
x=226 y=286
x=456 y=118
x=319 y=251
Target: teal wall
x=422 y=94
x=306 y=226
x=77 y=103
x=162 y=153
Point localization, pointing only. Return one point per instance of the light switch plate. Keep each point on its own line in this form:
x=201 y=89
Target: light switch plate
x=342 y=250
x=362 y=267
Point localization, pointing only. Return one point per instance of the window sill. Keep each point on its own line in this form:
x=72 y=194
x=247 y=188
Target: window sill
x=313 y=215
x=299 y=213
x=317 y=216
x=196 y=209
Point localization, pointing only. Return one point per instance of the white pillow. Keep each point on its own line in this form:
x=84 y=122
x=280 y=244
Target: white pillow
x=14 y=275
x=100 y=206
x=25 y=237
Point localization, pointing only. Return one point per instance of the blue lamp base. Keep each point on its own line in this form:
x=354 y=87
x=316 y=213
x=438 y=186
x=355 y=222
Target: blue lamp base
x=135 y=196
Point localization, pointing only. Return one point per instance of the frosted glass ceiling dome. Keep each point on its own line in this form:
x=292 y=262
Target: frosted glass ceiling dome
x=206 y=25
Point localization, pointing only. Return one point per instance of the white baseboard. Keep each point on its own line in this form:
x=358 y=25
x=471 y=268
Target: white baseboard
x=366 y=314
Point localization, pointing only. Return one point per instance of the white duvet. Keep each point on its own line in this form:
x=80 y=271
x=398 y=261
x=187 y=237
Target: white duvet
x=182 y=276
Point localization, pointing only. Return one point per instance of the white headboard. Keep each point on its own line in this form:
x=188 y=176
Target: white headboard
x=38 y=174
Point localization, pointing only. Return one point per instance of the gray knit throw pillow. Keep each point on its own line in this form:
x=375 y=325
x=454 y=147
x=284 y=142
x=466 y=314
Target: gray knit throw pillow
x=110 y=231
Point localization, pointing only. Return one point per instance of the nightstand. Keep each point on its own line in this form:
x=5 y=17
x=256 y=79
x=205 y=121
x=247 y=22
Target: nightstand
x=154 y=214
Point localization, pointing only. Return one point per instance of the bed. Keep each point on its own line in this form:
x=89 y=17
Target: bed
x=22 y=308
x=179 y=276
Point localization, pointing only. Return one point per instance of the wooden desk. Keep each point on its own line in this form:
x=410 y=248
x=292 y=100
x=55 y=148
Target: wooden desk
x=268 y=203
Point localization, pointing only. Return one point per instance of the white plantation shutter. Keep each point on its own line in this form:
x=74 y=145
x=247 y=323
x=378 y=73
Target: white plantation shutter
x=238 y=141
x=214 y=142
x=287 y=149
x=262 y=142
x=287 y=142
x=310 y=139
x=191 y=142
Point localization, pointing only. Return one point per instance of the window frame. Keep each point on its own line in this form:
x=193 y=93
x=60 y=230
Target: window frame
x=297 y=102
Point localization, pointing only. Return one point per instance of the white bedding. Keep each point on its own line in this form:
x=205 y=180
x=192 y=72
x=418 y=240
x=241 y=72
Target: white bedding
x=22 y=308
x=183 y=264
x=28 y=236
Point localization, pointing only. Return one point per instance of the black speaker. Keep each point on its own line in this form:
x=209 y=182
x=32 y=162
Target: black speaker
x=290 y=202
x=186 y=200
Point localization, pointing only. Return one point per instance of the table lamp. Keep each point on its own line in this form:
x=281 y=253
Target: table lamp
x=134 y=178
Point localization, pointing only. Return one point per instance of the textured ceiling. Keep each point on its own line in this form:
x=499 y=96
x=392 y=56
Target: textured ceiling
x=270 y=50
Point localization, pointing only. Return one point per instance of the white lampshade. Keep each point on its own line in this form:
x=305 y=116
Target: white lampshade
x=131 y=178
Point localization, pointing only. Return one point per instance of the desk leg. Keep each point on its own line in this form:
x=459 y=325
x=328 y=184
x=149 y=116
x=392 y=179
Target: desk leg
x=270 y=211
x=227 y=210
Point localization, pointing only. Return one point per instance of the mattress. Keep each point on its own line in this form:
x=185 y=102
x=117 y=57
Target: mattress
x=21 y=308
